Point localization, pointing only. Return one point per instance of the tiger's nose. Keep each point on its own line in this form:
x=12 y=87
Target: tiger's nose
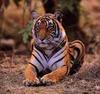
x=42 y=34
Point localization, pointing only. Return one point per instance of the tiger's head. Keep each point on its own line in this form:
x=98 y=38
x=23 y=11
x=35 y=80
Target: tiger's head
x=48 y=31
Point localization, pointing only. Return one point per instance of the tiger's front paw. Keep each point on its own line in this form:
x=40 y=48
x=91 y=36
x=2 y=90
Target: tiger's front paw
x=28 y=82
x=46 y=79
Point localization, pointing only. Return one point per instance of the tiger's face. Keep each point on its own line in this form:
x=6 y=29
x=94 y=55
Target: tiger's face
x=48 y=31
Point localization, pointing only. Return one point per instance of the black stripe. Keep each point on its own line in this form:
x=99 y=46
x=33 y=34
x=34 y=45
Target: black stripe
x=67 y=69
x=62 y=44
x=58 y=60
x=58 y=30
x=38 y=60
x=41 y=50
x=34 y=67
x=67 y=72
x=38 y=54
x=56 y=27
x=60 y=53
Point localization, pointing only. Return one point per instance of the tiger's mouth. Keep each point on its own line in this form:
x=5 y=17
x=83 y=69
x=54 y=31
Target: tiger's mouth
x=45 y=44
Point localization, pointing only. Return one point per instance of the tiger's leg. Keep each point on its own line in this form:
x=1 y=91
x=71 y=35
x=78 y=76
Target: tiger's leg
x=30 y=76
x=60 y=66
x=61 y=70
x=55 y=76
x=37 y=64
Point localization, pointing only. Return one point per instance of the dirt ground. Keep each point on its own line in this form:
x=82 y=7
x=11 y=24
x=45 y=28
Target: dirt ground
x=86 y=81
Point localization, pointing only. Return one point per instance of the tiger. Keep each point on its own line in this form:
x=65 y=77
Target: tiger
x=53 y=56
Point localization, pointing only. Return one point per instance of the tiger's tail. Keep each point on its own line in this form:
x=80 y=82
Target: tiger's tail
x=77 y=53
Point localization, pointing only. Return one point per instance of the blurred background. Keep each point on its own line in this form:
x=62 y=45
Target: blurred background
x=81 y=21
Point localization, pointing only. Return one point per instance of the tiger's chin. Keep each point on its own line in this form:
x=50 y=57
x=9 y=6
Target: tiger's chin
x=46 y=47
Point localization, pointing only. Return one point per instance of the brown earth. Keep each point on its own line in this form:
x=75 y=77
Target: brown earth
x=86 y=81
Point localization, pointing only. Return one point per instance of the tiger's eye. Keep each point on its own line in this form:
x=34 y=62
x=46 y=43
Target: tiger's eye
x=50 y=29
x=36 y=28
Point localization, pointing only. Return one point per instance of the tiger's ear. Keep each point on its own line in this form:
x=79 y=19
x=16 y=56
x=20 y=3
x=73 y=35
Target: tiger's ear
x=58 y=16
x=34 y=15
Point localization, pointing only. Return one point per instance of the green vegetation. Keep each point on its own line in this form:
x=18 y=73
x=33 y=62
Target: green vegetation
x=26 y=32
